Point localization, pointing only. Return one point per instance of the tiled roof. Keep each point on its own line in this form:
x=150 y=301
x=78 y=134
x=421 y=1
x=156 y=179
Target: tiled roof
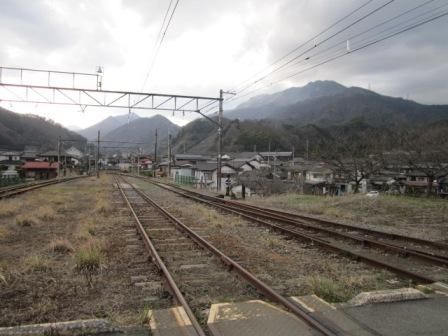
x=40 y=165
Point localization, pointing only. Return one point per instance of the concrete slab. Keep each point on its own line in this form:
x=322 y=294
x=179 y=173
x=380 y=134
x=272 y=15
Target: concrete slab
x=383 y=296
x=254 y=318
x=440 y=287
x=70 y=328
x=171 y=322
x=335 y=319
x=406 y=318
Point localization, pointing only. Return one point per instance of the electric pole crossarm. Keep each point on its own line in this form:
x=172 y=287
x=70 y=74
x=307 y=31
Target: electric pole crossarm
x=208 y=118
x=16 y=93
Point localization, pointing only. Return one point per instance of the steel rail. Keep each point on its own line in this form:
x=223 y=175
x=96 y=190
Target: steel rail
x=331 y=246
x=286 y=216
x=415 y=253
x=389 y=235
x=253 y=280
x=160 y=264
x=20 y=189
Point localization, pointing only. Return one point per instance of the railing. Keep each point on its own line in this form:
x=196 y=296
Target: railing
x=184 y=180
x=8 y=181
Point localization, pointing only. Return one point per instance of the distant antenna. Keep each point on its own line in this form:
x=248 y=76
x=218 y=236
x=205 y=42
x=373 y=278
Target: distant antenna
x=348 y=46
x=370 y=89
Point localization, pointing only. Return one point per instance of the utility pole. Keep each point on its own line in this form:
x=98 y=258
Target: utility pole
x=169 y=155
x=307 y=149
x=59 y=157
x=269 y=153
x=155 y=157
x=88 y=159
x=138 y=162
x=98 y=156
x=218 y=172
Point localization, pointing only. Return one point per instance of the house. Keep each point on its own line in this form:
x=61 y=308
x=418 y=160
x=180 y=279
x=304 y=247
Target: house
x=29 y=153
x=38 y=170
x=180 y=159
x=9 y=156
x=417 y=183
x=242 y=165
x=274 y=156
x=319 y=180
x=75 y=154
x=10 y=173
x=50 y=156
x=202 y=174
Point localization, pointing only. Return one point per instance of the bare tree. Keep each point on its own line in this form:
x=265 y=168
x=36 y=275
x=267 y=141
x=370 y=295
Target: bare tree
x=427 y=153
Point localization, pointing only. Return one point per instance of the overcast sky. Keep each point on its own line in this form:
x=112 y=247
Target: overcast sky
x=213 y=44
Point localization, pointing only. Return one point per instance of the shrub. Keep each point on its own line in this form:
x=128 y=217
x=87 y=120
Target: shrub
x=25 y=221
x=45 y=213
x=328 y=289
x=36 y=263
x=88 y=261
x=60 y=245
x=9 y=208
x=103 y=207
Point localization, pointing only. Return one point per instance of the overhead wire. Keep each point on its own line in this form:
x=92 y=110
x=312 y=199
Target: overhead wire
x=161 y=38
x=368 y=44
x=370 y=13
x=353 y=37
x=301 y=45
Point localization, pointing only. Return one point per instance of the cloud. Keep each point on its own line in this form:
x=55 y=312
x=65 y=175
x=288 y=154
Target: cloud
x=217 y=44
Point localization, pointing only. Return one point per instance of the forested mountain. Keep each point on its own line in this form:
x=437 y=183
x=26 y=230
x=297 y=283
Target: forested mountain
x=200 y=136
x=142 y=130
x=107 y=125
x=327 y=103
x=18 y=130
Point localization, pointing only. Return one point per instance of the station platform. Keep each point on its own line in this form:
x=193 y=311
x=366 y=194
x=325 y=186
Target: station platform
x=407 y=312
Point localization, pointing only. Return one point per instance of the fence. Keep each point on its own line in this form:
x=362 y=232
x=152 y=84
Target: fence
x=7 y=181
x=185 y=180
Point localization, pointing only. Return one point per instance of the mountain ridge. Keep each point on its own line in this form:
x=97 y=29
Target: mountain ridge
x=18 y=130
x=329 y=103
x=142 y=130
x=107 y=125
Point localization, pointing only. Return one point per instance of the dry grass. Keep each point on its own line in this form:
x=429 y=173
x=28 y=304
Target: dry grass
x=25 y=221
x=36 y=263
x=89 y=260
x=9 y=208
x=60 y=245
x=4 y=232
x=341 y=288
x=400 y=214
x=45 y=213
x=102 y=206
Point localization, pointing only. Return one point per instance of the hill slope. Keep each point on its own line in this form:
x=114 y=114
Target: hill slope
x=327 y=103
x=18 y=130
x=107 y=125
x=200 y=136
x=142 y=130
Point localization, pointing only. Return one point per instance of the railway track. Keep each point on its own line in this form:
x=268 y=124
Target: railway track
x=417 y=259
x=22 y=188
x=195 y=271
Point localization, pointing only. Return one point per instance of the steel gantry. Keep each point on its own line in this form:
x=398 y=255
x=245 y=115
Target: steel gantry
x=25 y=85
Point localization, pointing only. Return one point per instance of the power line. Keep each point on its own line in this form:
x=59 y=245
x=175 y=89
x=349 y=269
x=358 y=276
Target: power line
x=162 y=37
x=370 y=13
x=311 y=39
x=408 y=28
x=373 y=28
